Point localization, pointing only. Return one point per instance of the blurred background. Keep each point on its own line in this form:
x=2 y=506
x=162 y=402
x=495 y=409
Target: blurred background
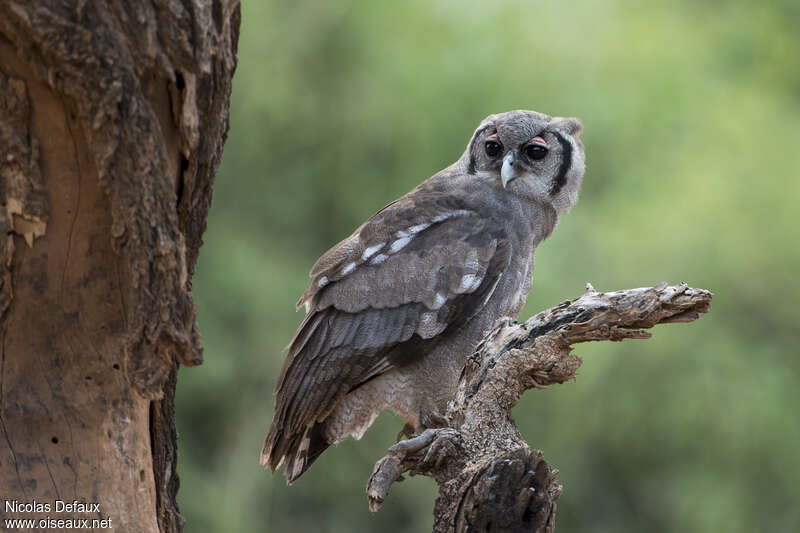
x=691 y=113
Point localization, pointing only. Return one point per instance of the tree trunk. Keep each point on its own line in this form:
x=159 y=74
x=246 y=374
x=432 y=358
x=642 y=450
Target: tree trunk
x=489 y=478
x=113 y=115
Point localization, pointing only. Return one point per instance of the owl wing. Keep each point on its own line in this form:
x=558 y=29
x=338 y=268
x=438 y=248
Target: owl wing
x=377 y=300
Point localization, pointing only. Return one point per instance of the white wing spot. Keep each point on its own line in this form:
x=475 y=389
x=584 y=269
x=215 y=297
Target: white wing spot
x=349 y=267
x=439 y=301
x=402 y=234
x=369 y=252
x=418 y=228
x=427 y=325
x=322 y=281
x=445 y=216
x=378 y=259
x=469 y=282
x=399 y=244
x=472 y=264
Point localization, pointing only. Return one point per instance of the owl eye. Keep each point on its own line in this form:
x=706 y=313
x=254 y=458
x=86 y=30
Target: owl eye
x=493 y=148
x=535 y=151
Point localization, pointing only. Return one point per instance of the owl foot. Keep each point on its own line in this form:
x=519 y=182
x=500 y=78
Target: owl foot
x=444 y=447
x=438 y=445
x=424 y=453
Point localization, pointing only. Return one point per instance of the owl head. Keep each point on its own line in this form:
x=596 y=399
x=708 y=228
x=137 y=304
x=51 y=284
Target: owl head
x=531 y=155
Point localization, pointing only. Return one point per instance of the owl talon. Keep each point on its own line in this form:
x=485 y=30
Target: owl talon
x=444 y=447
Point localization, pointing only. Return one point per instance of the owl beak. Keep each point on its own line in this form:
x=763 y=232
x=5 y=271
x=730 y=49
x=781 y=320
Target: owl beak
x=508 y=173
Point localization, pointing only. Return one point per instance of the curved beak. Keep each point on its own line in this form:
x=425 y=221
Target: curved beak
x=509 y=172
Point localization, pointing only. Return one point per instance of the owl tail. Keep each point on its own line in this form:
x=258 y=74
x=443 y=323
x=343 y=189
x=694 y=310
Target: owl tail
x=298 y=450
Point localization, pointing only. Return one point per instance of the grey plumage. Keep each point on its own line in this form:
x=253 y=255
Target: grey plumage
x=394 y=310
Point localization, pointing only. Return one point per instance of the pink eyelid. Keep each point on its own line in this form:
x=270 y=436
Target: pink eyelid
x=492 y=137
x=539 y=141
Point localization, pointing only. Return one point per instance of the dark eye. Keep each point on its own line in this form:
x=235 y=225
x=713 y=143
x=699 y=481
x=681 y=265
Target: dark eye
x=535 y=151
x=493 y=148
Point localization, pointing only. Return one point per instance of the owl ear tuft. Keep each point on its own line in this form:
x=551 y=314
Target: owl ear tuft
x=572 y=126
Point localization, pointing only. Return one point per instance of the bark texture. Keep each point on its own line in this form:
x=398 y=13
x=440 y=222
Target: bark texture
x=489 y=479
x=113 y=115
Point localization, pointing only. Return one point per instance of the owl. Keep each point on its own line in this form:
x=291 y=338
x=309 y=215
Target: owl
x=394 y=310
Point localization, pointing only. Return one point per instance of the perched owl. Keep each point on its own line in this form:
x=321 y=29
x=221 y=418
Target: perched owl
x=394 y=310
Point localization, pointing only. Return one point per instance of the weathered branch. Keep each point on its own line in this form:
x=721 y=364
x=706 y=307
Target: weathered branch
x=489 y=479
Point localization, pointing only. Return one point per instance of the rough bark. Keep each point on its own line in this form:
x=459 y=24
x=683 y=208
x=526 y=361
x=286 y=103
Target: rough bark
x=113 y=116
x=489 y=479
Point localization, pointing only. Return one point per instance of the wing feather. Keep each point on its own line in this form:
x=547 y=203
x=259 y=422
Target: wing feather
x=367 y=316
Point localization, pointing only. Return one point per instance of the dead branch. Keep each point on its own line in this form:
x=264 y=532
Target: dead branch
x=489 y=479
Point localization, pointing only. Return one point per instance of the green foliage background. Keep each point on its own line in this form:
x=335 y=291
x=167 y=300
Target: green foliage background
x=691 y=113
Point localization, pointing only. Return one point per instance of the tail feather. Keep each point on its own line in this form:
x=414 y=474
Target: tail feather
x=298 y=450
